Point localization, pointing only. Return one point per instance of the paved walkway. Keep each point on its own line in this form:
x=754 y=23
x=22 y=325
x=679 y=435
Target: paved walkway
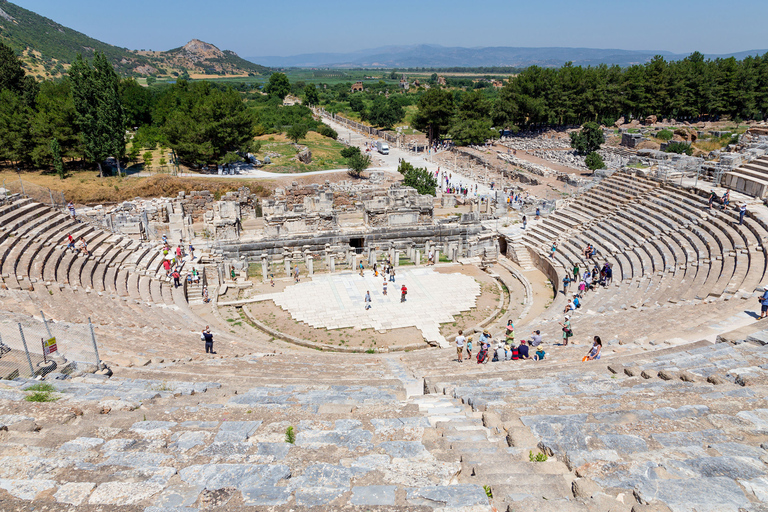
x=336 y=301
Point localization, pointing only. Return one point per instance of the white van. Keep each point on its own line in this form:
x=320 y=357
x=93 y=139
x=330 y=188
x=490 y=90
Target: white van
x=382 y=147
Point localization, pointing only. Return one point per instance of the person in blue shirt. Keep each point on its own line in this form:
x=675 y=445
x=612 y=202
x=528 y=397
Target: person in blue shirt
x=576 y=301
x=764 y=304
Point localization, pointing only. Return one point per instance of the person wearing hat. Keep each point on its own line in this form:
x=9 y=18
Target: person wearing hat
x=208 y=338
x=567 y=331
x=522 y=351
x=485 y=336
x=510 y=333
x=535 y=338
x=742 y=212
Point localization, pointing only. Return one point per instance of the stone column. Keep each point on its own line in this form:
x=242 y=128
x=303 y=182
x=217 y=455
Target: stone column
x=437 y=256
x=310 y=265
x=287 y=262
x=372 y=257
x=264 y=267
x=332 y=264
x=392 y=253
x=418 y=258
x=396 y=258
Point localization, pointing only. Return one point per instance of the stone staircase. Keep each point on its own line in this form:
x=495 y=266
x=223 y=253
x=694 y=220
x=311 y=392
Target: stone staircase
x=751 y=178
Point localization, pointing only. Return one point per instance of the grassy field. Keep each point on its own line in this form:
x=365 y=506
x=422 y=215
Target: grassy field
x=85 y=187
x=326 y=153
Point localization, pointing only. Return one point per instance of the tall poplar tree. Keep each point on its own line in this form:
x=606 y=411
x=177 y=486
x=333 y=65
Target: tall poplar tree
x=99 y=111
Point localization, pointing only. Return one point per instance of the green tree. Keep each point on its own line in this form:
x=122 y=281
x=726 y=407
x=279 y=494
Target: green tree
x=679 y=147
x=133 y=153
x=151 y=81
x=278 y=85
x=356 y=103
x=15 y=136
x=418 y=177
x=202 y=122
x=55 y=118
x=99 y=111
x=311 y=98
x=588 y=140
x=58 y=163
x=385 y=112
x=594 y=161
x=357 y=163
x=473 y=120
x=14 y=79
x=435 y=113
x=350 y=151
x=297 y=132
x=147 y=157
x=665 y=135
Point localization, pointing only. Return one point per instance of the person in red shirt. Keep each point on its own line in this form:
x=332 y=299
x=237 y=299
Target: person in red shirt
x=403 y=292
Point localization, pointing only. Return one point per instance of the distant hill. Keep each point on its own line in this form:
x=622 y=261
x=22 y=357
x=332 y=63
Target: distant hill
x=48 y=48
x=435 y=56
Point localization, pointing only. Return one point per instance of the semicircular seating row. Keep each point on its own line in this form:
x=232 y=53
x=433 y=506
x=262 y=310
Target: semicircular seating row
x=121 y=283
x=663 y=242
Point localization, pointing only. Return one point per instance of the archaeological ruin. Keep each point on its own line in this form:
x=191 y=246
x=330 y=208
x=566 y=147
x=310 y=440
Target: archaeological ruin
x=332 y=379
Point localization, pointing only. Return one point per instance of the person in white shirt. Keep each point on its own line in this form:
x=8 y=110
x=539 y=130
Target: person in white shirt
x=460 y=340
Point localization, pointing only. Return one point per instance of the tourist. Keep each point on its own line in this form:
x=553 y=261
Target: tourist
x=208 y=337
x=535 y=340
x=569 y=307
x=608 y=274
x=567 y=331
x=553 y=250
x=431 y=258
x=71 y=244
x=469 y=348
x=742 y=212
x=178 y=253
x=191 y=253
x=539 y=355
x=510 y=333
x=764 y=302
x=500 y=353
x=594 y=351
x=384 y=288
x=538 y=213
x=566 y=282
x=726 y=199
x=712 y=198
x=485 y=337
x=206 y=299
x=392 y=275
x=84 y=246
x=367 y=300
x=272 y=280
x=525 y=221
x=167 y=267
x=403 y=293
x=362 y=268
x=72 y=210
x=576 y=301
x=460 y=340
x=175 y=275
x=576 y=272
x=582 y=288
x=522 y=351
x=296 y=277
x=232 y=273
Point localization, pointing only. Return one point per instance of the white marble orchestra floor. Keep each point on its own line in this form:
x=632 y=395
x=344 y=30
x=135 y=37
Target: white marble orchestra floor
x=334 y=301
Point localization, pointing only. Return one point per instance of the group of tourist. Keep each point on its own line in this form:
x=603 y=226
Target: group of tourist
x=78 y=246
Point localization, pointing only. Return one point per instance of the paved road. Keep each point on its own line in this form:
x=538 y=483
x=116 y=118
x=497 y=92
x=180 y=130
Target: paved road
x=390 y=163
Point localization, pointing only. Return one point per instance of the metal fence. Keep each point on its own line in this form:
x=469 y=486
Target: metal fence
x=31 y=347
x=38 y=193
x=358 y=126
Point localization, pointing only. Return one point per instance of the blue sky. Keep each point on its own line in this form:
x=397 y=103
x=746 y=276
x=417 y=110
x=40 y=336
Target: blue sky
x=260 y=28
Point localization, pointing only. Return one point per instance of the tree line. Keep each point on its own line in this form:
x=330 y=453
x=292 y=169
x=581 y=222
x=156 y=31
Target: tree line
x=692 y=88
x=91 y=115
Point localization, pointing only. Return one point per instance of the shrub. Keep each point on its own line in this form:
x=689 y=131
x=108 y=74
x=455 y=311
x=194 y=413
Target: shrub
x=41 y=392
x=679 y=147
x=594 y=161
x=539 y=457
x=327 y=131
x=665 y=135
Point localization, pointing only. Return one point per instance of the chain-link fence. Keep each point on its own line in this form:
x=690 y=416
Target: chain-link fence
x=30 y=347
x=54 y=198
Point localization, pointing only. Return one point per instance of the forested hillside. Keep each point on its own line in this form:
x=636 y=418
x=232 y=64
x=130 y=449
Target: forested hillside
x=48 y=48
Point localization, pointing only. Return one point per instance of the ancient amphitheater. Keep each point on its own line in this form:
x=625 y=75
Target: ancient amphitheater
x=673 y=417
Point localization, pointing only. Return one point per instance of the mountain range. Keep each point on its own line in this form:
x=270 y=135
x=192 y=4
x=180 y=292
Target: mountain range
x=435 y=56
x=48 y=48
